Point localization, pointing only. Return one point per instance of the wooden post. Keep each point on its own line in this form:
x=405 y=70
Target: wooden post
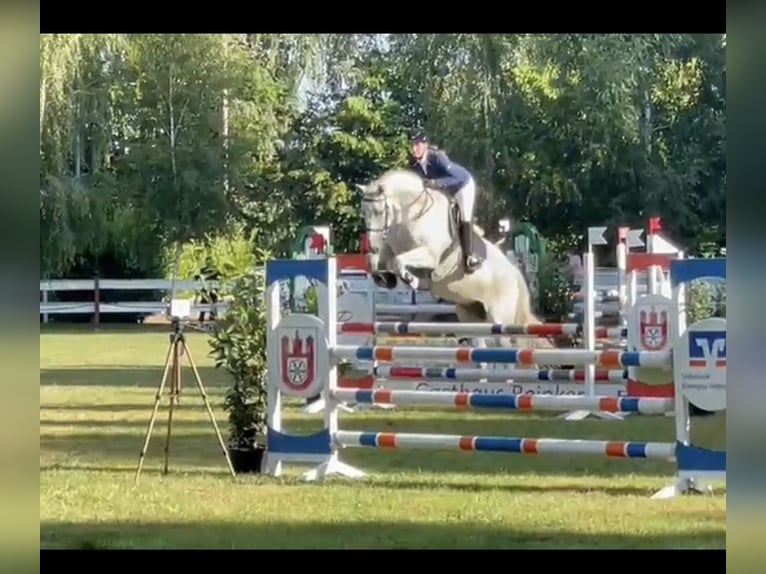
x=96 y=302
x=45 y=302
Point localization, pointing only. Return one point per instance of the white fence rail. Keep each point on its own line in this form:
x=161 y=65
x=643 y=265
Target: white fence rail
x=98 y=307
x=606 y=279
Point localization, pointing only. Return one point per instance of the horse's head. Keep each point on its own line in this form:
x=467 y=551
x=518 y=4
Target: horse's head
x=384 y=202
x=378 y=216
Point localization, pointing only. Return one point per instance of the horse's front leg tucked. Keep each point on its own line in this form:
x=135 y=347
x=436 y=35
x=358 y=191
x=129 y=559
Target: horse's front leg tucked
x=416 y=258
x=381 y=268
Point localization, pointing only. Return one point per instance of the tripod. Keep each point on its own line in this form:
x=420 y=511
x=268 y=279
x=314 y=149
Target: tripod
x=177 y=348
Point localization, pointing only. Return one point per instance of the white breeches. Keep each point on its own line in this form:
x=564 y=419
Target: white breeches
x=465 y=199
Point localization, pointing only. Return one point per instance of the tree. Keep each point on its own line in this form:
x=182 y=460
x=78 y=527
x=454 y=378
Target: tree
x=150 y=140
x=339 y=141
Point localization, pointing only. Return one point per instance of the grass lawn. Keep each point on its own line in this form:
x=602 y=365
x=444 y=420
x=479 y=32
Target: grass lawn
x=96 y=396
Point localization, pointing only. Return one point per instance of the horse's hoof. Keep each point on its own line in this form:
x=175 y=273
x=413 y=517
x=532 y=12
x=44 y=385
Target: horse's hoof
x=384 y=279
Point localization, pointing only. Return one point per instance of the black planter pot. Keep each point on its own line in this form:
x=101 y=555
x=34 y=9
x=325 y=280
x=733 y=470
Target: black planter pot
x=695 y=411
x=247 y=460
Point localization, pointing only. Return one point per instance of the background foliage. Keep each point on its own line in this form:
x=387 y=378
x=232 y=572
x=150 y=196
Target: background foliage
x=153 y=146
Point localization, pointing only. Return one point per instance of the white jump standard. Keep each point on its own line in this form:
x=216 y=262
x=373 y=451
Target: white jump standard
x=303 y=357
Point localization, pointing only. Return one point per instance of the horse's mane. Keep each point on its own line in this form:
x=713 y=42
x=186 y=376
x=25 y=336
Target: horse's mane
x=398 y=172
x=404 y=183
x=399 y=178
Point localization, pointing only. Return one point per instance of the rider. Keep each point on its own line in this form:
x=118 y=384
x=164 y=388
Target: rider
x=444 y=174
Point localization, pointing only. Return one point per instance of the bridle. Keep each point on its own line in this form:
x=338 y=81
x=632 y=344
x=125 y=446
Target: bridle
x=379 y=196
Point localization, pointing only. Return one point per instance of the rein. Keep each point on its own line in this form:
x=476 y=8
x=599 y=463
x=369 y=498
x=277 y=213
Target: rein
x=380 y=196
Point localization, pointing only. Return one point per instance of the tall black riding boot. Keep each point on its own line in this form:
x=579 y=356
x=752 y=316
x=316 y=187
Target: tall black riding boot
x=466 y=245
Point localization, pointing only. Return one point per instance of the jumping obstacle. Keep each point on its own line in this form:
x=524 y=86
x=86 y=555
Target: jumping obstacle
x=639 y=316
x=518 y=381
x=660 y=384
x=303 y=359
x=361 y=305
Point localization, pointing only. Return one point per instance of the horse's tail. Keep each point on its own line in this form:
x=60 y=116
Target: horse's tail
x=525 y=315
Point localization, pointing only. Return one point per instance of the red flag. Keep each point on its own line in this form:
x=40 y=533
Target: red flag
x=316 y=241
x=654 y=225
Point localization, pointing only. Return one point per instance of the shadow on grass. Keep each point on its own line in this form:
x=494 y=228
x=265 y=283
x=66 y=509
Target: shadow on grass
x=195 y=445
x=130 y=376
x=504 y=464
x=574 y=488
x=183 y=425
x=111 y=329
x=197 y=448
x=194 y=442
x=346 y=535
x=179 y=464
x=115 y=444
x=110 y=408
x=153 y=466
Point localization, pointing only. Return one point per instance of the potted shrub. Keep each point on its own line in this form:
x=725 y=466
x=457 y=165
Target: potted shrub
x=239 y=346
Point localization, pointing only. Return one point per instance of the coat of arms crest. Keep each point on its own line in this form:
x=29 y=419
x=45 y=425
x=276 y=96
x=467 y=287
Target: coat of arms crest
x=653 y=329
x=297 y=361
